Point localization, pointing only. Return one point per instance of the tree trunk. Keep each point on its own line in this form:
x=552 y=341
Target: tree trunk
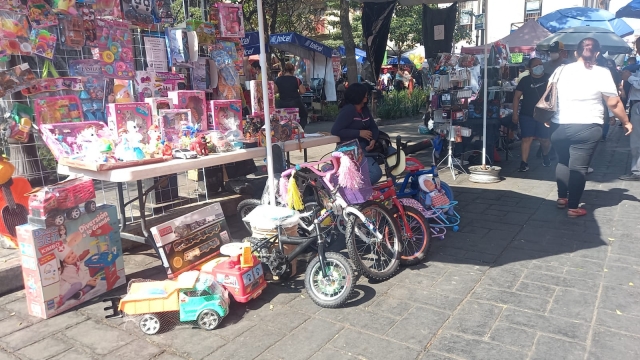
x=349 y=44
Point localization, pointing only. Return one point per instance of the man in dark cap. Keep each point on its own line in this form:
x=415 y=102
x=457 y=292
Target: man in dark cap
x=557 y=56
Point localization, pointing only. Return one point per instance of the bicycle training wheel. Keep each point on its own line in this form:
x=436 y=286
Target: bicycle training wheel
x=376 y=259
x=245 y=207
x=414 y=248
x=334 y=290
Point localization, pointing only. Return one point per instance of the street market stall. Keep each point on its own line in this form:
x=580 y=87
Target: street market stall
x=523 y=40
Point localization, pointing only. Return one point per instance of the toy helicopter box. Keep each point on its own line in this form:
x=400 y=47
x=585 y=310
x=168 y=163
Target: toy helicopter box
x=192 y=239
x=71 y=262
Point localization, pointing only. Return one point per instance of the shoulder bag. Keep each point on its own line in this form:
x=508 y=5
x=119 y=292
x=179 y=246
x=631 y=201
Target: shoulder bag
x=548 y=104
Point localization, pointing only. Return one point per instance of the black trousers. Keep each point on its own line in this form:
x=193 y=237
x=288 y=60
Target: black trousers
x=575 y=145
x=296 y=103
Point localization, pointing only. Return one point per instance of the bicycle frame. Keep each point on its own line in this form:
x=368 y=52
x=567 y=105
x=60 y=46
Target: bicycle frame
x=388 y=192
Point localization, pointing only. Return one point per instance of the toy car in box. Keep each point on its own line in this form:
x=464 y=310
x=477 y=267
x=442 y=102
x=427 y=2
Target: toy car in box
x=62 y=200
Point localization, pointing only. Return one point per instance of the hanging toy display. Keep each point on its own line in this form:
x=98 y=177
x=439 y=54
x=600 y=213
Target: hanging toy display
x=115 y=49
x=182 y=47
x=13 y=5
x=43 y=43
x=162 y=11
x=64 y=6
x=89 y=24
x=139 y=12
x=231 y=20
x=93 y=83
x=15 y=79
x=14 y=35
x=71 y=32
x=228 y=80
x=107 y=8
x=40 y=14
x=58 y=109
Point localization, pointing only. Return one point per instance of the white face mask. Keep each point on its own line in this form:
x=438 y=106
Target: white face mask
x=538 y=70
x=554 y=56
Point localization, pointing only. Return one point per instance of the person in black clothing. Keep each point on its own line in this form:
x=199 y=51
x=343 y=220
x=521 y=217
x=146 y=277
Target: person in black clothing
x=530 y=89
x=290 y=88
x=356 y=122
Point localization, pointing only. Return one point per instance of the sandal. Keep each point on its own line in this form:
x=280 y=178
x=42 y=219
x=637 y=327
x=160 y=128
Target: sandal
x=562 y=203
x=574 y=213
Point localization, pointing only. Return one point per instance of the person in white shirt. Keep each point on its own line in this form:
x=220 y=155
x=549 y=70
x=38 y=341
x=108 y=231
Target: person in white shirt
x=577 y=125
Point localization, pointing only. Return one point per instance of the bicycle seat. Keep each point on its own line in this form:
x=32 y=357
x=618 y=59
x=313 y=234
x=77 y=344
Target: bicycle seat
x=391 y=161
x=270 y=217
x=413 y=165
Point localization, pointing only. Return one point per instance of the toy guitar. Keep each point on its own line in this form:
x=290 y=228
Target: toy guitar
x=14 y=201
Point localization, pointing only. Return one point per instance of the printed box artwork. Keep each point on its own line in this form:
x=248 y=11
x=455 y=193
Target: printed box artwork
x=65 y=265
x=191 y=239
x=225 y=115
x=150 y=84
x=257 y=104
x=174 y=123
x=130 y=117
x=158 y=104
x=193 y=100
x=231 y=20
x=287 y=115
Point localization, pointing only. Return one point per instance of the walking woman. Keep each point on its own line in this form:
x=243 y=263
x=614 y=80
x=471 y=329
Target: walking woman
x=290 y=89
x=577 y=126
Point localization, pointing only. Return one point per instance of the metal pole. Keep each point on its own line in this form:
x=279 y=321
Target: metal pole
x=264 y=66
x=484 y=85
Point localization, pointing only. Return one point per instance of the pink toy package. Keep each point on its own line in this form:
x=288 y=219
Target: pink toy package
x=152 y=84
x=174 y=124
x=231 y=20
x=225 y=115
x=287 y=115
x=69 y=140
x=157 y=104
x=130 y=117
x=257 y=103
x=193 y=100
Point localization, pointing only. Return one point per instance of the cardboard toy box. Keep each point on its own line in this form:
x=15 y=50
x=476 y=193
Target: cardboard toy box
x=193 y=100
x=134 y=116
x=65 y=265
x=225 y=115
x=257 y=104
x=192 y=239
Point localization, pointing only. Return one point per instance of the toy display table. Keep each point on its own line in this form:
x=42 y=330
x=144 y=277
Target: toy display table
x=139 y=173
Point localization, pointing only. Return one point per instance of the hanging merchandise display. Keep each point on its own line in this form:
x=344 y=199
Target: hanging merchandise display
x=40 y=14
x=231 y=20
x=43 y=43
x=205 y=31
x=71 y=32
x=89 y=24
x=14 y=35
x=115 y=49
x=256 y=98
x=16 y=78
x=182 y=47
x=93 y=84
x=67 y=7
x=139 y=12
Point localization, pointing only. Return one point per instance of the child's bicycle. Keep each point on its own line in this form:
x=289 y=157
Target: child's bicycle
x=328 y=288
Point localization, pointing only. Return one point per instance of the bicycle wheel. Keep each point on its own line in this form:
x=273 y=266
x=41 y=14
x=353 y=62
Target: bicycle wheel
x=245 y=207
x=376 y=259
x=414 y=249
x=334 y=290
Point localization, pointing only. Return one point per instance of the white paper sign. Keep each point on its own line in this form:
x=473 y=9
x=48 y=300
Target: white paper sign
x=156 y=49
x=438 y=32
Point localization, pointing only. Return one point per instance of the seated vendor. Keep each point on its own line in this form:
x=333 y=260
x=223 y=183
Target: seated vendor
x=356 y=122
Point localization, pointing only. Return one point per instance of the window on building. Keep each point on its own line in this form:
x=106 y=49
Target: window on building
x=597 y=4
x=465 y=14
x=532 y=9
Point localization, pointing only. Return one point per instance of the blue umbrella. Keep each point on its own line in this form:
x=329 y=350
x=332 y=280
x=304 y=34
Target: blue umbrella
x=403 y=61
x=631 y=10
x=584 y=16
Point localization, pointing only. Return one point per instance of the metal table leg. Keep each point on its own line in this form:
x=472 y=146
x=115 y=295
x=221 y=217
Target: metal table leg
x=305 y=155
x=121 y=207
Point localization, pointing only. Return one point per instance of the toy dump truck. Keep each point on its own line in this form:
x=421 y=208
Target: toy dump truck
x=193 y=295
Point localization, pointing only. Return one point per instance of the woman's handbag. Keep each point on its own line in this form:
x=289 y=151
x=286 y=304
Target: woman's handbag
x=547 y=107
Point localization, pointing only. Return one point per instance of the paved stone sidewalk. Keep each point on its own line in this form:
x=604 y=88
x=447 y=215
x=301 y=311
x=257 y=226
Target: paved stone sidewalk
x=519 y=281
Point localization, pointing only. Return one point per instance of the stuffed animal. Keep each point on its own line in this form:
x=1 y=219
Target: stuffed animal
x=200 y=146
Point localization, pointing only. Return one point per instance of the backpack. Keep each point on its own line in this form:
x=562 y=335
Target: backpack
x=382 y=144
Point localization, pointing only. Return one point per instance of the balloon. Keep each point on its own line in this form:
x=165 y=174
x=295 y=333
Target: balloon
x=418 y=65
x=421 y=58
x=412 y=57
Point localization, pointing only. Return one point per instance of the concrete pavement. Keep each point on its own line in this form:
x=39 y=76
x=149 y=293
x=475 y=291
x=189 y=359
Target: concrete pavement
x=519 y=281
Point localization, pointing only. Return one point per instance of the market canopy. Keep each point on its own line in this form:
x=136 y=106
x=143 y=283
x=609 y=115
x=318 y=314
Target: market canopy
x=631 y=10
x=403 y=61
x=522 y=40
x=299 y=45
x=361 y=55
x=584 y=16
x=609 y=41
x=251 y=43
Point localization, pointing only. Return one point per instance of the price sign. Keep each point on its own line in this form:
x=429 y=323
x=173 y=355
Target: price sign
x=516 y=58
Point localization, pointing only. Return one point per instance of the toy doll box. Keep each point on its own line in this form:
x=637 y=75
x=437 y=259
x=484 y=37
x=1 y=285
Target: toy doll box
x=135 y=116
x=194 y=100
x=225 y=115
x=62 y=140
x=65 y=265
x=257 y=104
x=192 y=239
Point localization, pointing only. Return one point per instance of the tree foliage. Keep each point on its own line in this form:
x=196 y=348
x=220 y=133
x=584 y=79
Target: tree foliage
x=177 y=8
x=406 y=27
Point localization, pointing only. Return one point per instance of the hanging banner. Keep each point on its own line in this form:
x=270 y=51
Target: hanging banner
x=376 y=22
x=479 y=22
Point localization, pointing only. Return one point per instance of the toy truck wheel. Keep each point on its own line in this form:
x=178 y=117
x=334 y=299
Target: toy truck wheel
x=150 y=324
x=55 y=219
x=74 y=213
x=208 y=319
x=90 y=206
